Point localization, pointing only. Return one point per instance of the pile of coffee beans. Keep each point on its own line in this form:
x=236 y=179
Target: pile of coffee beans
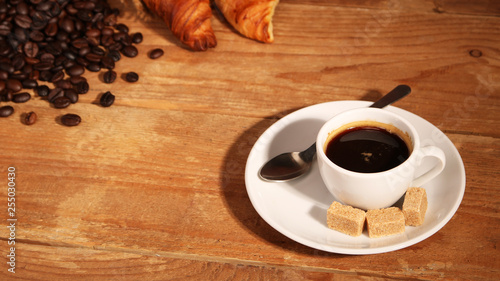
x=47 y=45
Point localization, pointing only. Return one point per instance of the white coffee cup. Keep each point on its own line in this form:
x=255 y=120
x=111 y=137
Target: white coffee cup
x=380 y=189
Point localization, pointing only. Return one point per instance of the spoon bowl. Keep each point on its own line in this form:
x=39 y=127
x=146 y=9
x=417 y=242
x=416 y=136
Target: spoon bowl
x=291 y=165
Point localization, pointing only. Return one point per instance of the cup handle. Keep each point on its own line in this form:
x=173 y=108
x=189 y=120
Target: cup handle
x=431 y=151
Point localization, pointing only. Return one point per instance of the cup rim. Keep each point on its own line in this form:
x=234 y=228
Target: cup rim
x=413 y=134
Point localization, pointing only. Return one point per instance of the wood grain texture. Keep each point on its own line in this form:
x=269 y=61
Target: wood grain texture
x=153 y=187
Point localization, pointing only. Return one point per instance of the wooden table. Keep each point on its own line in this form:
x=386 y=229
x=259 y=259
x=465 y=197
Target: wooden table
x=152 y=188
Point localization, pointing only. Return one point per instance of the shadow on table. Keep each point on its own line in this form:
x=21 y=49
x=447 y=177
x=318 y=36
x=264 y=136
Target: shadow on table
x=234 y=190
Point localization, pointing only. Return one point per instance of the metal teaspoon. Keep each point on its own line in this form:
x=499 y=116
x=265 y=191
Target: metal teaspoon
x=291 y=165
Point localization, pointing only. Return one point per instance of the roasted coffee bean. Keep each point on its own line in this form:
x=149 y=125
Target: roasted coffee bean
x=61 y=102
x=97 y=19
x=36 y=36
x=43 y=65
x=51 y=29
x=82 y=61
x=6 y=111
x=43 y=6
x=70 y=55
x=29 y=83
x=42 y=91
x=39 y=20
x=3 y=85
x=21 y=97
x=71 y=9
x=110 y=20
x=77 y=79
x=107 y=99
x=31 y=61
x=18 y=61
x=13 y=42
x=21 y=34
x=55 y=69
x=94 y=32
x=57 y=61
x=54 y=48
x=35 y=74
x=98 y=51
x=14 y=85
x=59 y=75
x=80 y=43
x=93 y=41
x=19 y=76
x=63 y=84
x=84 y=15
x=156 y=53
x=45 y=75
x=7 y=67
x=69 y=64
x=27 y=68
x=23 y=21
x=54 y=94
x=72 y=95
x=70 y=119
x=76 y=70
x=5 y=30
x=94 y=67
x=109 y=76
x=117 y=46
x=126 y=40
x=22 y=8
x=107 y=41
x=49 y=58
x=93 y=57
x=30 y=118
x=67 y=25
x=108 y=63
x=129 y=51
x=107 y=31
x=84 y=51
x=4 y=75
x=55 y=9
x=82 y=87
x=131 y=77
x=137 y=37
x=114 y=55
x=81 y=5
x=6 y=96
x=122 y=27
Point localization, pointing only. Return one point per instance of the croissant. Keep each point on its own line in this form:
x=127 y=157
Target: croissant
x=251 y=18
x=189 y=20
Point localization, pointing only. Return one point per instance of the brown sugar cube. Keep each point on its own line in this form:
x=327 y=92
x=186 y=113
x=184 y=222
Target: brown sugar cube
x=415 y=206
x=383 y=222
x=345 y=219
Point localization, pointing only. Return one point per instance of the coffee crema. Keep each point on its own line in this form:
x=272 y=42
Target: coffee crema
x=368 y=147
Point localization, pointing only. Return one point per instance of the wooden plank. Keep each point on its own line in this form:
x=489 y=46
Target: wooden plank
x=42 y=262
x=481 y=7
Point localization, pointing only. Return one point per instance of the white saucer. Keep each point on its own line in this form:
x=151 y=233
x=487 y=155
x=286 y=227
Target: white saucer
x=298 y=208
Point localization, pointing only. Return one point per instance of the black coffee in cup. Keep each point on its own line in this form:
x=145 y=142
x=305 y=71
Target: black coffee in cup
x=368 y=148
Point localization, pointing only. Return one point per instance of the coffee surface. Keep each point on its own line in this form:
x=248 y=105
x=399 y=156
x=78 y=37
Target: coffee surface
x=367 y=149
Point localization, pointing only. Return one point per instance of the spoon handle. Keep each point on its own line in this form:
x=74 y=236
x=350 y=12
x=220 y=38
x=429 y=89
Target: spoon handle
x=308 y=154
x=396 y=94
